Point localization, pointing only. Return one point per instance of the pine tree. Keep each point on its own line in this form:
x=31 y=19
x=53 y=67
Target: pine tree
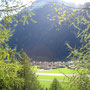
x=30 y=79
x=55 y=85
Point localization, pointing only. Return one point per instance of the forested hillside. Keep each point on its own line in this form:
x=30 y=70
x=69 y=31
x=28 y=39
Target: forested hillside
x=42 y=40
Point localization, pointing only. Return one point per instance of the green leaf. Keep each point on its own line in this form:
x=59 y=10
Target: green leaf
x=74 y=10
x=56 y=9
x=27 y=22
x=1 y=25
x=33 y=20
x=15 y=25
x=59 y=22
x=32 y=13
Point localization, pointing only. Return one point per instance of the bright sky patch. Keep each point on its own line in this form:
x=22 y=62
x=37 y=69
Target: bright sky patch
x=77 y=1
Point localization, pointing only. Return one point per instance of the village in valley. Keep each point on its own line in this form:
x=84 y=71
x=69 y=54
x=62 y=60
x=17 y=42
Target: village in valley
x=53 y=65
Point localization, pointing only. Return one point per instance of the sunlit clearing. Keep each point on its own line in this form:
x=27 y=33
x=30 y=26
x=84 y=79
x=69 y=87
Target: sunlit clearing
x=77 y=2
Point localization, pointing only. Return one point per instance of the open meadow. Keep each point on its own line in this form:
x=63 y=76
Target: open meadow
x=46 y=76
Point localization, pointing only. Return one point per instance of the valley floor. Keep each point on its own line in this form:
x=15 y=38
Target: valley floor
x=63 y=75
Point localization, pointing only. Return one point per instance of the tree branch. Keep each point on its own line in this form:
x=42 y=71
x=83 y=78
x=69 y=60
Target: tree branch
x=14 y=8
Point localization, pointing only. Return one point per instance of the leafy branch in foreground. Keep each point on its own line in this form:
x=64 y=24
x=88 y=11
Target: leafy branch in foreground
x=63 y=13
x=81 y=55
x=10 y=78
x=80 y=19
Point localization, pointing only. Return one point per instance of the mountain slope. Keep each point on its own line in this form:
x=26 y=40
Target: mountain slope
x=41 y=40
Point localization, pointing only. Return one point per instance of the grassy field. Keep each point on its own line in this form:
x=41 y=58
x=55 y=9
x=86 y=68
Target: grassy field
x=59 y=70
x=47 y=84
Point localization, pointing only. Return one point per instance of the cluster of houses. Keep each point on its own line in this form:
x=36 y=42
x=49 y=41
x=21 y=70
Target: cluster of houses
x=53 y=65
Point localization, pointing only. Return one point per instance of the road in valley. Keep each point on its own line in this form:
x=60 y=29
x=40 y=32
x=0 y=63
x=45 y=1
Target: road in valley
x=56 y=74
x=52 y=80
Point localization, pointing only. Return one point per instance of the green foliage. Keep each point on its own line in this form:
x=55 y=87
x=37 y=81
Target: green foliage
x=81 y=55
x=81 y=82
x=9 y=79
x=14 y=76
x=30 y=79
x=77 y=17
x=9 y=13
x=5 y=34
x=61 y=14
x=55 y=85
